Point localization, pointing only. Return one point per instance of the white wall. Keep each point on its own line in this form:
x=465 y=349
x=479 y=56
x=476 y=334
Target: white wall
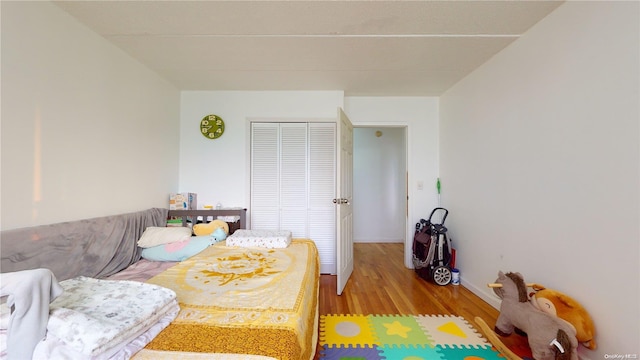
x=540 y=158
x=217 y=170
x=86 y=130
x=420 y=116
x=379 y=184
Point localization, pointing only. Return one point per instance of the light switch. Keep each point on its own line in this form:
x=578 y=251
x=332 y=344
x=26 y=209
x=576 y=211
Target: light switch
x=420 y=185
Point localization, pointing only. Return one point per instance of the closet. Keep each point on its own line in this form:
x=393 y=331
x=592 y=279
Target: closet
x=293 y=182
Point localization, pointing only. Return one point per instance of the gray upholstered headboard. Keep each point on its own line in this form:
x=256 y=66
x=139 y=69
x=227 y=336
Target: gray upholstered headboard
x=95 y=247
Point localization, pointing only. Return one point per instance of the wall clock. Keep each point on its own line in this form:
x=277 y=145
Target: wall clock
x=212 y=126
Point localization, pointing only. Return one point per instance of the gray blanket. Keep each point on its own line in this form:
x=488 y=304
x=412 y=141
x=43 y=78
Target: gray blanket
x=96 y=247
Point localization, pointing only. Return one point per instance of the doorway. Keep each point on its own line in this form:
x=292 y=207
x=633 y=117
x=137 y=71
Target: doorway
x=380 y=184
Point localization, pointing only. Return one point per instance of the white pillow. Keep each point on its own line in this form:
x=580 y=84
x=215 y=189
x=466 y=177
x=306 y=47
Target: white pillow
x=154 y=236
x=260 y=238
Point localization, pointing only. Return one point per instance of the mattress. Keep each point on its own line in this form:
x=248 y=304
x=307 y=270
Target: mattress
x=243 y=300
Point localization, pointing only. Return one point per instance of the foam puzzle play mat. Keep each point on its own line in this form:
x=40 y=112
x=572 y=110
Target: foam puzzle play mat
x=402 y=337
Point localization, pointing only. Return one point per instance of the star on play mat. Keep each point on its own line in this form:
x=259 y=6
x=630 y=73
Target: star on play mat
x=396 y=328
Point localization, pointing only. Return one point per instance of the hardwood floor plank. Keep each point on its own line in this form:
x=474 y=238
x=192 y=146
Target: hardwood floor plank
x=381 y=284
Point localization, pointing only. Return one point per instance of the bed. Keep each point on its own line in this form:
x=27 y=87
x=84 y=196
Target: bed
x=235 y=302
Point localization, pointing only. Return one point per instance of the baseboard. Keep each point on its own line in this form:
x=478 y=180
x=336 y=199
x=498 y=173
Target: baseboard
x=378 y=240
x=490 y=298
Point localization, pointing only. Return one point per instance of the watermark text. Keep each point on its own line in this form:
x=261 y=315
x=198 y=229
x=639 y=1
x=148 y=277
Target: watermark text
x=621 y=356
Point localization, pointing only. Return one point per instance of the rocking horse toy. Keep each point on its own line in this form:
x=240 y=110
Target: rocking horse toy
x=550 y=338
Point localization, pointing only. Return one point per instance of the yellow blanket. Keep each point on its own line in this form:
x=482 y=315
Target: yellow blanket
x=244 y=301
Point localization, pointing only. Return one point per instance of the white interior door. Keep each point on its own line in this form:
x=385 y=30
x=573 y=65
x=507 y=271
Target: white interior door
x=344 y=197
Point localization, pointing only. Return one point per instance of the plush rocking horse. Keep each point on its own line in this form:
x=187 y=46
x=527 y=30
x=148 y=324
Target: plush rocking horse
x=550 y=338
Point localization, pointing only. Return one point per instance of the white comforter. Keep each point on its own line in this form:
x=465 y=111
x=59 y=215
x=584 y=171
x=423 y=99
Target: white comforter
x=103 y=319
x=93 y=315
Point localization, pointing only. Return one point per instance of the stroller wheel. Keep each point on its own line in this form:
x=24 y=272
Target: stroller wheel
x=442 y=275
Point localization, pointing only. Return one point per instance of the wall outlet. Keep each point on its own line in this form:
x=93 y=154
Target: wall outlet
x=420 y=185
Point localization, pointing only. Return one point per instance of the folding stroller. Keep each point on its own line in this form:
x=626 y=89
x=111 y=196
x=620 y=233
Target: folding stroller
x=432 y=248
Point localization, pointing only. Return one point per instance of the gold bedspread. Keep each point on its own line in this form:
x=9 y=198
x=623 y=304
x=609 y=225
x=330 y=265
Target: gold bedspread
x=245 y=301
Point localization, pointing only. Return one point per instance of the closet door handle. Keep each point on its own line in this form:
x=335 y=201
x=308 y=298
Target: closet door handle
x=341 y=201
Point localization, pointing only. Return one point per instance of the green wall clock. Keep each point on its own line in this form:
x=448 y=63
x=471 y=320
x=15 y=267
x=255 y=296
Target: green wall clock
x=212 y=126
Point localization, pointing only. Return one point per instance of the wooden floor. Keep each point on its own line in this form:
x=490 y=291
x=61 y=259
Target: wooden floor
x=381 y=284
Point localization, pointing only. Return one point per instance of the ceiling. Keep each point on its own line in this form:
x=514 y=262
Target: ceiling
x=366 y=48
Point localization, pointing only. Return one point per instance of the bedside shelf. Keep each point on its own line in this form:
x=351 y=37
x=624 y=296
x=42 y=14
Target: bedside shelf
x=193 y=215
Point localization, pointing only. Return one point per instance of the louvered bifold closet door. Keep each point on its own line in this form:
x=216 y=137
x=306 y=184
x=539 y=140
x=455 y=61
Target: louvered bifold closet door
x=322 y=191
x=265 y=174
x=293 y=183
x=293 y=178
